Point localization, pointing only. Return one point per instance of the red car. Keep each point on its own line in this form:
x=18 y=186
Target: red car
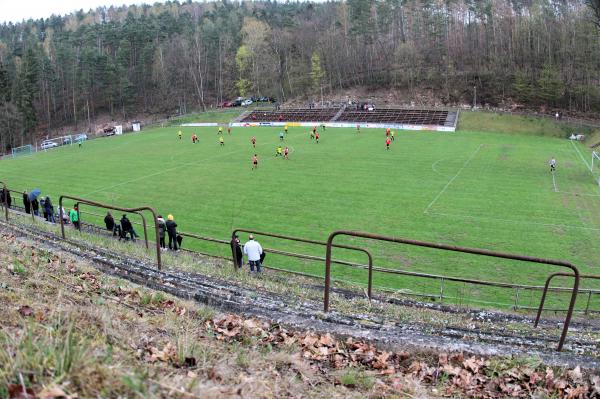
x=226 y=104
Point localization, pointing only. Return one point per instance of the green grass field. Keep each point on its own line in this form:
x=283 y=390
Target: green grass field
x=474 y=188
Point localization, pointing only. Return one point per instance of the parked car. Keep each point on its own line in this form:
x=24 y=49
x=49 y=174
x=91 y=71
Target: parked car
x=226 y=104
x=81 y=137
x=236 y=103
x=48 y=144
x=247 y=102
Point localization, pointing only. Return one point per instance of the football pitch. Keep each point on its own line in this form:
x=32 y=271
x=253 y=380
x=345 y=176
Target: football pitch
x=469 y=188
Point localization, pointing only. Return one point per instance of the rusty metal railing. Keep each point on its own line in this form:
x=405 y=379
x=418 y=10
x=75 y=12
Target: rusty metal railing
x=474 y=251
x=141 y=215
x=315 y=242
x=116 y=208
x=547 y=286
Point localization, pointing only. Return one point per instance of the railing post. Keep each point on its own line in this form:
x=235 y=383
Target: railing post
x=587 y=306
x=441 y=290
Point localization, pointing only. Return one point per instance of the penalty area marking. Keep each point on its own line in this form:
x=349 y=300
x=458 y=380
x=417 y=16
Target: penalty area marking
x=451 y=180
x=527 y=223
x=434 y=164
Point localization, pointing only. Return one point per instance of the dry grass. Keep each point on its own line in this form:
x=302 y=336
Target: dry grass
x=69 y=328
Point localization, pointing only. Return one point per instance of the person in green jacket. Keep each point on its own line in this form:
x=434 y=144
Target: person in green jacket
x=74 y=217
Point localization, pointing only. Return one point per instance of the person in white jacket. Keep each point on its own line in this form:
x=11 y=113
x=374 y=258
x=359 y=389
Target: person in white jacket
x=253 y=250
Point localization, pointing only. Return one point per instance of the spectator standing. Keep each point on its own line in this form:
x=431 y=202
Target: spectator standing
x=26 y=203
x=162 y=229
x=236 y=251
x=5 y=197
x=253 y=250
x=65 y=216
x=43 y=205
x=74 y=217
x=172 y=232
x=35 y=207
x=127 y=228
x=49 y=210
x=115 y=228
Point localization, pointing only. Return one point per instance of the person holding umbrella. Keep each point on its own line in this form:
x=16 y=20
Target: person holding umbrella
x=32 y=199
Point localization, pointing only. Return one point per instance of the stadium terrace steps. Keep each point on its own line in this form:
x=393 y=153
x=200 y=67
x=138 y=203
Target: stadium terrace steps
x=383 y=116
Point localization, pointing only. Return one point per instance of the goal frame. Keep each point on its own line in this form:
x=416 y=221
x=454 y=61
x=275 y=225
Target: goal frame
x=16 y=153
x=595 y=157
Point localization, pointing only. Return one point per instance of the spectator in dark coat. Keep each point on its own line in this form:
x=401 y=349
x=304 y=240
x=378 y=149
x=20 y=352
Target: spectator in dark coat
x=49 y=210
x=172 y=232
x=5 y=196
x=109 y=221
x=35 y=206
x=26 y=203
x=162 y=230
x=236 y=250
x=127 y=228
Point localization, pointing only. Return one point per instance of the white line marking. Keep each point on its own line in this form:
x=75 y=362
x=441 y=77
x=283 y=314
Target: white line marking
x=581 y=156
x=512 y=221
x=451 y=180
x=554 y=182
x=433 y=166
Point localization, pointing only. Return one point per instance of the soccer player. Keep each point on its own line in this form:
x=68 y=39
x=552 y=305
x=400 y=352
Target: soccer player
x=357 y=128
x=221 y=140
x=323 y=126
x=317 y=137
x=387 y=132
x=278 y=151
x=254 y=162
x=281 y=136
x=392 y=135
x=315 y=129
x=285 y=128
x=179 y=134
x=286 y=152
x=194 y=138
x=253 y=141
x=312 y=135
x=387 y=143
x=552 y=165
x=220 y=130
x=229 y=130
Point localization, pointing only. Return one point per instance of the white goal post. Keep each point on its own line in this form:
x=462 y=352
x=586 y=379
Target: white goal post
x=23 y=150
x=595 y=159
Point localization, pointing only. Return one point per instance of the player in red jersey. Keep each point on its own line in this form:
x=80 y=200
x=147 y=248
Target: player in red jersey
x=286 y=152
x=253 y=141
x=387 y=132
x=229 y=130
x=317 y=137
x=254 y=162
x=387 y=143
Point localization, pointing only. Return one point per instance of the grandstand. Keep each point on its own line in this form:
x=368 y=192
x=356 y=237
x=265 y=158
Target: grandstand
x=400 y=118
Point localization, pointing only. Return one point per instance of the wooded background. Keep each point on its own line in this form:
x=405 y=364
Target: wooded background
x=177 y=57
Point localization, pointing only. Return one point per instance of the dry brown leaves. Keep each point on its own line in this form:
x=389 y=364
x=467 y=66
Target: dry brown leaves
x=472 y=376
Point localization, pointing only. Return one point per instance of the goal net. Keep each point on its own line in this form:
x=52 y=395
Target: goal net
x=595 y=160
x=23 y=150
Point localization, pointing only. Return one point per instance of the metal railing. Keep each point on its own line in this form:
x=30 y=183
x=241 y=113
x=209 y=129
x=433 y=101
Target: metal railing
x=547 y=285
x=141 y=215
x=310 y=257
x=116 y=208
x=444 y=247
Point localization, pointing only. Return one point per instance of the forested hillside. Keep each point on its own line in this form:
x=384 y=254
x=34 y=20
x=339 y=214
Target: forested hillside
x=176 y=57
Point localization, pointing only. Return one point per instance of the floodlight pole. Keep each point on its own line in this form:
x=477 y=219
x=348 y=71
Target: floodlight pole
x=474 y=97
